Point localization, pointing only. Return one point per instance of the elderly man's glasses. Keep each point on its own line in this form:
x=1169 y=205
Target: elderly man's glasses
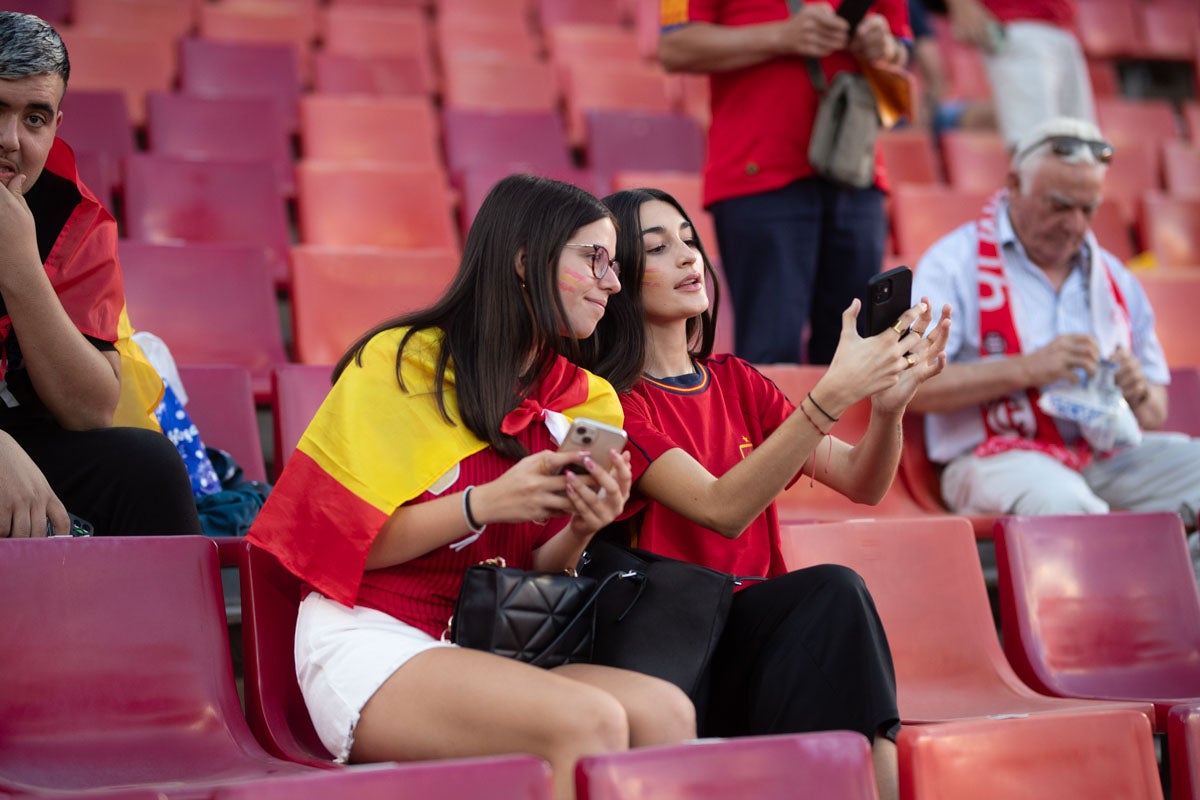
x=1067 y=146
x=600 y=260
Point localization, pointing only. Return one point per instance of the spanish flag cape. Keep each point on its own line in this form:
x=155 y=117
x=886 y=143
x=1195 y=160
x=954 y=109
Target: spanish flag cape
x=82 y=267
x=373 y=447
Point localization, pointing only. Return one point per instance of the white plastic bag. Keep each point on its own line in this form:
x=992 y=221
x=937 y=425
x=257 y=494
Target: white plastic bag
x=1105 y=419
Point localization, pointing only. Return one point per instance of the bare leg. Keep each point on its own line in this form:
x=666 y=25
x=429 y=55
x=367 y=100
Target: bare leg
x=455 y=702
x=883 y=753
x=658 y=711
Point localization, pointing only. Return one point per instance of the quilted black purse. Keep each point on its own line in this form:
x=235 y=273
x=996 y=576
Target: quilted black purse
x=546 y=619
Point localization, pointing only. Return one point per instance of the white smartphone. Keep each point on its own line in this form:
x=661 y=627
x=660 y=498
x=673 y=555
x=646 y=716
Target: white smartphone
x=595 y=437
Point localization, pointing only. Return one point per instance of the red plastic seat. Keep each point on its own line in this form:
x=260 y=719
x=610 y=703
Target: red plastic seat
x=1181 y=167
x=489 y=84
x=55 y=12
x=1123 y=120
x=1133 y=172
x=554 y=12
x=278 y=22
x=921 y=478
x=337 y=73
x=1183 y=401
x=133 y=63
x=355 y=204
x=908 y=156
x=516 y=777
x=299 y=391
x=1045 y=757
x=476 y=182
x=1169 y=30
x=1101 y=606
x=976 y=161
x=499 y=39
x=396 y=130
x=1103 y=74
x=186 y=126
x=583 y=41
x=634 y=140
x=1172 y=296
x=478 y=138
x=1191 y=115
x=172 y=200
x=925 y=577
x=210 y=68
x=1113 y=230
x=338 y=294
x=1107 y=28
x=611 y=86
x=132 y=685
x=1170 y=228
x=211 y=304
x=1183 y=742
x=923 y=214
x=378 y=32
x=97 y=121
x=832 y=765
x=221 y=404
x=168 y=19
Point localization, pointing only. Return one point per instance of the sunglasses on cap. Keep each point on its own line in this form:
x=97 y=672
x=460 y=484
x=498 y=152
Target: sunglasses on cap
x=1067 y=146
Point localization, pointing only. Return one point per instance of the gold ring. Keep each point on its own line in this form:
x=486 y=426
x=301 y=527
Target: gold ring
x=912 y=362
x=899 y=327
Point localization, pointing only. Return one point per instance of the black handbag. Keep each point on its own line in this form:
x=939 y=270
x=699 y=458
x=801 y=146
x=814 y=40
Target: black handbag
x=542 y=618
x=667 y=625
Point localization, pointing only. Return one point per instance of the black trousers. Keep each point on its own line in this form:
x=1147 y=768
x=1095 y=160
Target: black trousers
x=125 y=481
x=801 y=652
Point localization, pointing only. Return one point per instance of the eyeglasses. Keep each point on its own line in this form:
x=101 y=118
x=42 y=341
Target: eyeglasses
x=1067 y=146
x=600 y=260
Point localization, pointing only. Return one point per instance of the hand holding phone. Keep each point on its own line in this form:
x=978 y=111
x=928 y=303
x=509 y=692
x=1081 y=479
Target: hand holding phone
x=888 y=296
x=853 y=11
x=596 y=438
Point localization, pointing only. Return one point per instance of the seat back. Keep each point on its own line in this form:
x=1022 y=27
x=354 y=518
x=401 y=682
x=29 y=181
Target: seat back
x=397 y=130
x=1100 y=606
x=132 y=684
x=908 y=156
x=221 y=404
x=1171 y=296
x=832 y=765
x=489 y=84
x=634 y=140
x=211 y=304
x=477 y=138
x=133 y=62
x=1181 y=166
x=337 y=73
x=499 y=778
x=1170 y=229
x=1133 y=172
x=1183 y=742
x=1046 y=757
x=1183 y=401
x=339 y=294
x=921 y=479
x=168 y=19
x=614 y=86
x=1127 y=120
x=299 y=391
x=922 y=214
x=97 y=121
x=274 y=705
x=976 y=161
x=211 y=68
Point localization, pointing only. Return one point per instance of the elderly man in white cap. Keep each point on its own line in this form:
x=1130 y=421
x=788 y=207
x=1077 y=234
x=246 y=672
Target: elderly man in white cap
x=1043 y=313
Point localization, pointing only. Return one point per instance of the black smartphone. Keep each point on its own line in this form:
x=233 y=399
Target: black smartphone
x=888 y=295
x=79 y=527
x=853 y=11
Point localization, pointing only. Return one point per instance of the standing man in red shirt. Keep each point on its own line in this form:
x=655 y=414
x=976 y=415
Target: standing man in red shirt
x=795 y=247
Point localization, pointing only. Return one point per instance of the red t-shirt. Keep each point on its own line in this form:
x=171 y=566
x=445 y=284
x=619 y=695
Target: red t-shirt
x=422 y=591
x=762 y=116
x=717 y=416
x=1055 y=12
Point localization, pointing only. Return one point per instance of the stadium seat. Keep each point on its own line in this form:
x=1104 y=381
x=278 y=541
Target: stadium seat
x=1133 y=172
x=276 y=22
x=554 y=12
x=491 y=38
x=689 y=92
x=582 y=42
x=1170 y=228
x=299 y=391
x=338 y=294
x=925 y=577
x=1191 y=115
x=908 y=156
x=476 y=138
x=1103 y=74
x=1183 y=401
x=185 y=200
x=635 y=140
x=186 y=126
x=1181 y=167
x=1169 y=30
x=922 y=481
x=211 y=304
x=97 y=121
x=395 y=130
x=477 y=181
x=168 y=19
x=516 y=777
x=493 y=11
x=355 y=204
x=1101 y=606
x=1107 y=28
x=1114 y=230
x=130 y=62
x=612 y=86
x=1172 y=296
x=1124 y=120
x=976 y=161
x=1045 y=757
x=336 y=73
x=488 y=84
x=101 y=175
x=1183 y=743
x=218 y=69
x=966 y=76
x=274 y=706
x=221 y=404
x=832 y=765
x=923 y=214
x=378 y=32
x=56 y=12
x=132 y=687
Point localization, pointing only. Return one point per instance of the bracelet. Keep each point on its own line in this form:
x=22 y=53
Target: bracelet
x=471 y=523
x=817 y=405
x=812 y=422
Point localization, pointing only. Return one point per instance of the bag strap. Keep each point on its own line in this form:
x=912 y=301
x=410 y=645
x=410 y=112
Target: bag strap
x=584 y=609
x=814 y=66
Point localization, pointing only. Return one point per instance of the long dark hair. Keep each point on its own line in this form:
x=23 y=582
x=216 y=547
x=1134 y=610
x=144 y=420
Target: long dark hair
x=616 y=351
x=492 y=319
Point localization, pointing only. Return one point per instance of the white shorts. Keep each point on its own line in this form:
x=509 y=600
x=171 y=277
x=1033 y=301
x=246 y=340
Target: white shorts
x=343 y=655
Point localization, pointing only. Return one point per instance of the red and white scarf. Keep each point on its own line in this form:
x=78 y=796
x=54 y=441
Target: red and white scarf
x=1015 y=422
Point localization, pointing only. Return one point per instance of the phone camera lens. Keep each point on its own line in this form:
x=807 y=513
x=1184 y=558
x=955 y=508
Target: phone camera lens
x=882 y=292
x=587 y=440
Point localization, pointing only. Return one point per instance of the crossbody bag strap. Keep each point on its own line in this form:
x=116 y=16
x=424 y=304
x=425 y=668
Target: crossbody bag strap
x=814 y=66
